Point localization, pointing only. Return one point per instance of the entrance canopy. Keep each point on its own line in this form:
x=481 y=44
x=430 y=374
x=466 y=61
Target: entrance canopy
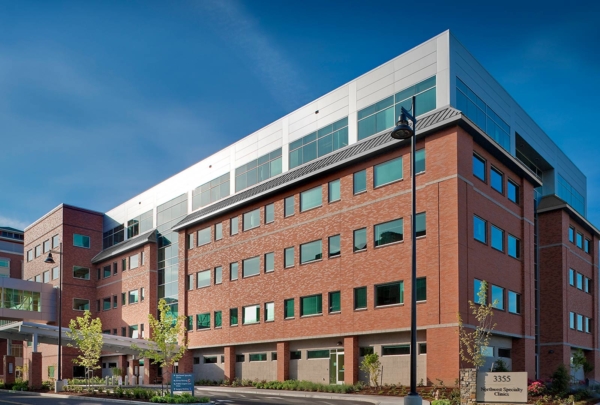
x=41 y=333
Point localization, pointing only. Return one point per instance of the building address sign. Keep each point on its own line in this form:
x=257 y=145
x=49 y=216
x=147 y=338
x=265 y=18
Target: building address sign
x=502 y=387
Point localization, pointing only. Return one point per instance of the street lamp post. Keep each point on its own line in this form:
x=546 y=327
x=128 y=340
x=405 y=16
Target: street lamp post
x=49 y=259
x=404 y=131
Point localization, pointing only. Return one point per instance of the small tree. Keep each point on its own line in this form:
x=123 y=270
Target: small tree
x=372 y=366
x=581 y=362
x=86 y=334
x=472 y=342
x=165 y=334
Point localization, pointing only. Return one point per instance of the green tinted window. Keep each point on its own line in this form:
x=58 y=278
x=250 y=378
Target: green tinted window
x=360 y=297
x=422 y=289
x=334 y=190
x=421 y=224
x=218 y=319
x=389 y=294
x=203 y=321
x=289 y=257
x=311 y=305
x=335 y=301
x=389 y=232
x=360 y=239
x=311 y=251
x=387 y=172
x=317 y=354
x=250 y=267
x=360 y=181
x=269 y=262
x=334 y=246
x=288 y=308
x=269 y=213
x=311 y=199
x=288 y=207
x=420 y=161
x=233 y=316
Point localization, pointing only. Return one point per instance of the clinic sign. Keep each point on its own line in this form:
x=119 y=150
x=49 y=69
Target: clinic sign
x=502 y=387
x=182 y=382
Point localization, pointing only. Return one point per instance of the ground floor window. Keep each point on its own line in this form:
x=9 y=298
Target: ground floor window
x=78 y=372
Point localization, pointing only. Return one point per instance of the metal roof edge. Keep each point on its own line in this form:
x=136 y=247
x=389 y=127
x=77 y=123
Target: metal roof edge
x=574 y=214
x=122 y=247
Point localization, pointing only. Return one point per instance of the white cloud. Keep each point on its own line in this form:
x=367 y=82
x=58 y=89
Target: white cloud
x=13 y=223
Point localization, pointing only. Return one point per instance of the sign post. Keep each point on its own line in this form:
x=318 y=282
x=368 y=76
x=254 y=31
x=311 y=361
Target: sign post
x=502 y=387
x=182 y=382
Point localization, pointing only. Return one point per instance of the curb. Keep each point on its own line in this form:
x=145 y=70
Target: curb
x=62 y=396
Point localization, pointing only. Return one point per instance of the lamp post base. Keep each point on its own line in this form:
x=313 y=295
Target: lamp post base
x=413 y=400
x=58 y=386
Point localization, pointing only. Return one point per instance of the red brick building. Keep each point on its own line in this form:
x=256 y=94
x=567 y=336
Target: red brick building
x=289 y=251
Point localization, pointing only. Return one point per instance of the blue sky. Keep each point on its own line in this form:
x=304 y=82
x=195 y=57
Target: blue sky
x=102 y=100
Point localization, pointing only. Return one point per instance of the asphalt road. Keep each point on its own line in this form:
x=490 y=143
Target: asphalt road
x=222 y=398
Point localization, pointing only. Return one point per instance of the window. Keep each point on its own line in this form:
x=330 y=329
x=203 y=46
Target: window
x=389 y=232
x=311 y=305
x=106 y=304
x=579 y=240
x=397 y=350
x=134 y=262
x=207 y=359
x=106 y=271
x=571 y=196
x=497 y=180
x=420 y=161
x=218 y=319
x=250 y=267
x=273 y=356
x=586 y=245
x=504 y=353
x=512 y=191
x=240 y=358
x=514 y=302
x=514 y=247
x=218 y=275
x=219 y=231
x=571 y=234
x=204 y=236
x=422 y=289
x=421 y=224
x=203 y=279
x=288 y=308
x=580 y=281
x=55 y=241
x=114 y=301
x=210 y=192
x=589 y=326
x=309 y=252
x=190 y=241
x=572 y=277
x=81 y=272
x=389 y=294
x=233 y=271
x=233 y=316
x=478 y=167
x=422 y=348
x=288 y=206
x=115 y=269
x=257 y=357
x=123 y=331
x=580 y=323
x=38 y=278
x=363 y=351
x=360 y=239
x=289 y=257
x=46 y=245
x=133 y=296
x=587 y=285
x=29 y=255
x=335 y=301
x=498 y=297
x=190 y=327
x=80 y=304
x=55 y=273
x=334 y=246
x=123 y=264
x=477 y=285
x=387 y=172
x=47 y=276
x=334 y=190
x=123 y=298
x=479 y=229
x=189 y=282
x=497 y=238
x=269 y=213
x=234 y=224
x=251 y=314
x=487 y=351
x=360 y=181
x=383 y=114
x=360 y=298
x=317 y=354
x=269 y=262
x=203 y=321
x=38 y=250
x=251 y=219
x=258 y=170
x=98 y=305
x=319 y=143
x=81 y=241
x=269 y=311
x=572 y=320
x=296 y=355
x=482 y=115
x=310 y=199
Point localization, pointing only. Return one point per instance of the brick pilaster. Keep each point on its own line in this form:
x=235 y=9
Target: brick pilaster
x=229 y=366
x=351 y=360
x=35 y=381
x=283 y=361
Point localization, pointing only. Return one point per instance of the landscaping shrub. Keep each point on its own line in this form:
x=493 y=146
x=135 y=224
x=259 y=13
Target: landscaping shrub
x=179 y=399
x=295 y=385
x=561 y=381
x=536 y=388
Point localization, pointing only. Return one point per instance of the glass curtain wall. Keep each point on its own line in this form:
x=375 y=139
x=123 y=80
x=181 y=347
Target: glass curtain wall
x=168 y=214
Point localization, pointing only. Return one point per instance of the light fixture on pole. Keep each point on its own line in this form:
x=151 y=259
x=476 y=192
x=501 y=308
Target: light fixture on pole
x=404 y=131
x=50 y=260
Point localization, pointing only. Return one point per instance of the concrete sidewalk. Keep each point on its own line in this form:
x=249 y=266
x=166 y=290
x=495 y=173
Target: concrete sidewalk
x=374 y=399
